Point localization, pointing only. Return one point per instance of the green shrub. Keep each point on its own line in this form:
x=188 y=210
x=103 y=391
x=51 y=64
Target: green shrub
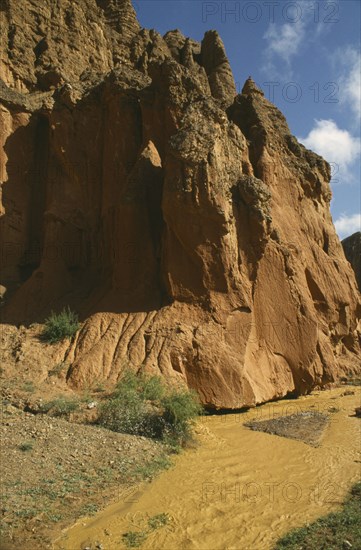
x=131 y=409
x=141 y=405
x=28 y=386
x=155 y=522
x=134 y=539
x=151 y=388
x=57 y=369
x=26 y=446
x=329 y=532
x=152 y=468
x=145 y=387
x=123 y=415
x=59 y=326
x=180 y=408
x=61 y=406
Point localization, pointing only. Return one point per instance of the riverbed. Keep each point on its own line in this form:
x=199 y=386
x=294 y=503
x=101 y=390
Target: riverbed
x=238 y=488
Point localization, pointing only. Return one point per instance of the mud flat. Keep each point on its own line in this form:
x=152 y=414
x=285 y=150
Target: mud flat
x=307 y=426
x=239 y=488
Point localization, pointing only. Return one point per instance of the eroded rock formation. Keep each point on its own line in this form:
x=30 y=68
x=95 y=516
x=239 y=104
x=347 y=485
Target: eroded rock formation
x=186 y=224
x=352 y=249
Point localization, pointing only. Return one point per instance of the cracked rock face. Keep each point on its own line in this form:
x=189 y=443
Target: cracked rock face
x=186 y=225
x=352 y=248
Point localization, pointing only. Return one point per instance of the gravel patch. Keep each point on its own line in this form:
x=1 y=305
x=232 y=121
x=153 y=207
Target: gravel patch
x=305 y=426
x=54 y=471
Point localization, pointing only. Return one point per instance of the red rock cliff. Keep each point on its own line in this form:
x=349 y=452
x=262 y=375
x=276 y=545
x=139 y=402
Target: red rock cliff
x=186 y=224
x=352 y=249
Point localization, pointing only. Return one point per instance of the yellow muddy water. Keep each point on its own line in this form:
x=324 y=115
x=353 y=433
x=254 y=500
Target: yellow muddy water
x=239 y=489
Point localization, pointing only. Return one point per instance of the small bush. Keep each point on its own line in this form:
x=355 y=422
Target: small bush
x=134 y=539
x=60 y=326
x=99 y=388
x=151 y=388
x=58 y=369
x=145 y=387
x=61 y=406
x=141 y=405
x=26 y=446
x=180 y=408
x=89 y=509
x=123 y=415
x=151 y=469
x=131 y=409
x=155 y=522
x=28 y=387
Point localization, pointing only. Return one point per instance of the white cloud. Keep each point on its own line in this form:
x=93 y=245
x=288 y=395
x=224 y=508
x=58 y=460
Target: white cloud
x=284 y=40
x=337 y=146
x=348 y=62
x=283 y=43
x=347 y=225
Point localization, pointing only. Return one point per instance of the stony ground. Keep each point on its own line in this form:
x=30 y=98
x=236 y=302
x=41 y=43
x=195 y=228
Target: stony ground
x=54 y=471
x=56 y=465
x=306 y=426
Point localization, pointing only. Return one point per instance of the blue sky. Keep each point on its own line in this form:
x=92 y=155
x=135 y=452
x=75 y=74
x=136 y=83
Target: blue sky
x=305 y=55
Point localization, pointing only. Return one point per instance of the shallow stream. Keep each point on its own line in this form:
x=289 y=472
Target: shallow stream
x=239 y=489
